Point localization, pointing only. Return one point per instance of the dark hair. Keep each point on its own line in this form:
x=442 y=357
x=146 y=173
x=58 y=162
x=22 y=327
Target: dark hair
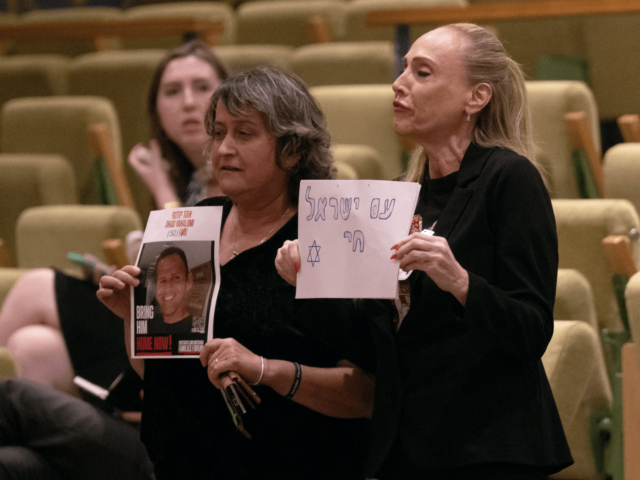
x=174 y=251
x=290 y=114
x=181 y=168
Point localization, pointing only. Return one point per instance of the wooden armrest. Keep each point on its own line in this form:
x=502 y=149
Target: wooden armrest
x=318 y=28
x=618 y=255
x=629 y=126
x=115 y=252
x=579 y=132
x=102 y=143
x=6 y=260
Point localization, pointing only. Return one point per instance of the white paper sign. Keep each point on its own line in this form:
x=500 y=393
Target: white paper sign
x=172 y=310
x=345 y=233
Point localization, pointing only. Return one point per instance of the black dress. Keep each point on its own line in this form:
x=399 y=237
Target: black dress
x=185 y=423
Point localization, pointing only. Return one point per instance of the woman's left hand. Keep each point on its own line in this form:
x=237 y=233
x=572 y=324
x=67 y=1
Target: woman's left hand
x=222 y=355
x=433 y=256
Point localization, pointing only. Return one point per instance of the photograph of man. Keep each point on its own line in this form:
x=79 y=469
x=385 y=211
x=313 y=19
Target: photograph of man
x=173 y=282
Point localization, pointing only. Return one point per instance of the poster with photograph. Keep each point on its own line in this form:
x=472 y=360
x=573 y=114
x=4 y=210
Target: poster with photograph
x=172 y=307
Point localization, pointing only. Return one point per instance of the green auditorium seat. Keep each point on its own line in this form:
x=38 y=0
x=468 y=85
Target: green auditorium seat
x=45 y=235
x=574 y=298
x=365 y=160
x=202 y=10
x=363 y=114
x=344 y=171
x=357 y=30
x=33 y=76
x=60 y=125
x=123 y=77
x=67 y=46
x=612 y=47
x=631 y=382
x=622 y=172
x=7 y=47
x=576 y=370
x=286 y=22
x=238 y=57
x=345 y=63
x=8 y=278
x=29 y=180
x=550 y=101
x=582 y=226
x=582 y=391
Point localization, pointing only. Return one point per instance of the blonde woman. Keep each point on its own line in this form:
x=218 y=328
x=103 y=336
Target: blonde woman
x=461 y=393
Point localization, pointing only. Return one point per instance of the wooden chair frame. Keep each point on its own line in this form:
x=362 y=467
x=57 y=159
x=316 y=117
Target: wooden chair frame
x=580 y=138
x=629 y=126
x=102 y=143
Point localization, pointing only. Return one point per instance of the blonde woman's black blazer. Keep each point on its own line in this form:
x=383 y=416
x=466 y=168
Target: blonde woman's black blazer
x=455 y=385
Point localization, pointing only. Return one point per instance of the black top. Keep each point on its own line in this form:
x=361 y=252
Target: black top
x=186 y=426
x=432 y=200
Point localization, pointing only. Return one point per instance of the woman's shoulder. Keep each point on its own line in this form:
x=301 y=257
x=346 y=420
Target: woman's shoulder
x=513 y=179
x=506 y=163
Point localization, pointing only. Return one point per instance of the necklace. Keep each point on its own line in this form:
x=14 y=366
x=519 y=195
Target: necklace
x=235 y=234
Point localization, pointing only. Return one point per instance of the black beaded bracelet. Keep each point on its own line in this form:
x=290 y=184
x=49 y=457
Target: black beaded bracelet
x=296 y=381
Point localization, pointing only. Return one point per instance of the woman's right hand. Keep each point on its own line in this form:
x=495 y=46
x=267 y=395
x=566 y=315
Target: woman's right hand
x=114 y=290
x=150 y=167
x=288 y=261
x=147 y=162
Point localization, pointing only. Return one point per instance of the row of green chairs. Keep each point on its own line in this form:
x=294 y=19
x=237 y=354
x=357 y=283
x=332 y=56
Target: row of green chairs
x=584 y=226
x=356 y=114
x=48 y=158
x=284 y=22
x=108 y=73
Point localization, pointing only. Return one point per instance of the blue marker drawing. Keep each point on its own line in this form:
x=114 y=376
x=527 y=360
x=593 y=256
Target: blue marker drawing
x=356 y=200
x=386 y=213
x=388 y=209
x=322 y=204
x=314 y=258
x=333 y=203
x=345 y=208
x=312 y=202
x=357 y=236
x=375 y=208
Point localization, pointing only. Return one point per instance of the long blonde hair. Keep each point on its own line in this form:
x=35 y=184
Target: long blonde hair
x=505 y=120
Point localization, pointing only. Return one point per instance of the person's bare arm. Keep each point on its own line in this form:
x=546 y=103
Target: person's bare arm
x=343 y=391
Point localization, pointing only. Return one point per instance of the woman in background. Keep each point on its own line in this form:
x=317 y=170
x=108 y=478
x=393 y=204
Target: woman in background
x=51 y=322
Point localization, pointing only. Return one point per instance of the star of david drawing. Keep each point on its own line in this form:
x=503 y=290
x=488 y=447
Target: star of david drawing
x=313 y=258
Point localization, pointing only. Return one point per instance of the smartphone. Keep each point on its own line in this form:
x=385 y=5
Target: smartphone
x=79 y=260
